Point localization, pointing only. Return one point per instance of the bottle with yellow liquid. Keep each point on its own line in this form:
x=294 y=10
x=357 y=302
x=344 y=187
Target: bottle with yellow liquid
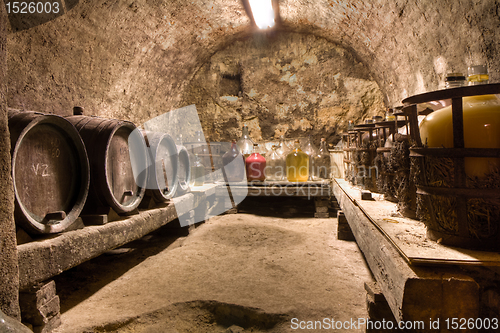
x=389 y=115
x=481 y=130
x=477 y=74
x=297 y=165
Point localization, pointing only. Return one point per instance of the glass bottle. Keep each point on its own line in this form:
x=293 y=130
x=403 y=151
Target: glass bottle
x=454 y=80
x=323 y=162
x=255 y=165
x=297 y=165
x=481 y=119
x=311 y=151
x=245 y=143
x=275 y=165
x=197 y=172
x=389 y=115
x=200 y=148
x=282 y=148
x=477 y=74
x=262 y=149
x=350 y=126
x=234 y=164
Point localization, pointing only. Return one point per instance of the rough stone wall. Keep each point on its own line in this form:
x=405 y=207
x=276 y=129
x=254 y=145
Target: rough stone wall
x=288 y=84
x=121 y=59
x=9 y=271
x=408 y=45
x=132 y=59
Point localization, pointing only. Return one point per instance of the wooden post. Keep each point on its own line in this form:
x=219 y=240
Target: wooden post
x=459 y=164
x=9 y=269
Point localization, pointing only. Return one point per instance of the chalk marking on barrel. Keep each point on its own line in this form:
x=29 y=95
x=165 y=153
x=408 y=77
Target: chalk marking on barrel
x=56 y=152
x=44 y=170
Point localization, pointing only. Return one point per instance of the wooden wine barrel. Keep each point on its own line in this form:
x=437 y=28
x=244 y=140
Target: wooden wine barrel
x=184 y=172
x=50 y=171
x=118 y=164
x=164 y=162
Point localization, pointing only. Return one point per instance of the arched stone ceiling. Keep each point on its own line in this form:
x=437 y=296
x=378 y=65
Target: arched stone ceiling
x=132 y=59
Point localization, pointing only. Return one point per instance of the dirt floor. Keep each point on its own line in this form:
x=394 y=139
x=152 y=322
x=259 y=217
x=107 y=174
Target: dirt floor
x=234 y=273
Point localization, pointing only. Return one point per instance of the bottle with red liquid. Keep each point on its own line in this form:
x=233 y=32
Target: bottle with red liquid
x=255 y=165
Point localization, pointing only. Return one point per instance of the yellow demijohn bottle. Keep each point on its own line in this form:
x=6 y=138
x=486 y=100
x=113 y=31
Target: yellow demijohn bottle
x=481 y=130
x=297 y=165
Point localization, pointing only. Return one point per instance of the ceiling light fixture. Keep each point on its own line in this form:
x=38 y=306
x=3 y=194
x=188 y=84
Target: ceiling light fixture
x=263 y=13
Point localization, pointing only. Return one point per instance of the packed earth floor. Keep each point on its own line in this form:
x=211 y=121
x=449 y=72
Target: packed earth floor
x=266 y=269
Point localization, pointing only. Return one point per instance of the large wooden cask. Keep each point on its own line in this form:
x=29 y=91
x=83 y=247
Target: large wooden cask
x=163 y=166
x=184 y=173
x=118 y=164
x=50 y=171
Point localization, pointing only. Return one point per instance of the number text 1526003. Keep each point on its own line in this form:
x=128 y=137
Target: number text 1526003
x=32 y=7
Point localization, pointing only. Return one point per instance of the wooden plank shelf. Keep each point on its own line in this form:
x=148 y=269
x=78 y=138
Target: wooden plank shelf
x=413 y=292
x=408 y=236
x=42 y=259
x=320 y=191
x=280 y=188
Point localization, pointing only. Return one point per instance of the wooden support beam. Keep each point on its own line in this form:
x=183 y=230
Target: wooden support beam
x=413 y=293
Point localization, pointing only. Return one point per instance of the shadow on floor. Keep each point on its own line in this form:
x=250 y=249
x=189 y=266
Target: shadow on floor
x=81 y=282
